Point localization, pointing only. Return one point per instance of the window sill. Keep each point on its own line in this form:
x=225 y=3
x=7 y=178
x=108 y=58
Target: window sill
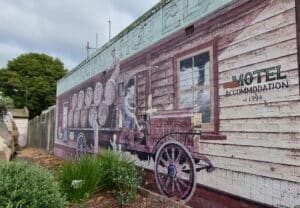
x=210 y=136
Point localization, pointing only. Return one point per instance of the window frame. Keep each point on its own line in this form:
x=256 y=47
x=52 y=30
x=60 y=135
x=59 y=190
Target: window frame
x=211 y=47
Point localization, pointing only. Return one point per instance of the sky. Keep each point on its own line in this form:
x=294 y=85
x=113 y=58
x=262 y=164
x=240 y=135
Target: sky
x=61 y=28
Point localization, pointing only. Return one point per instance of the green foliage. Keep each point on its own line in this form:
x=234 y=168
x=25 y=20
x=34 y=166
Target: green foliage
x=8 y=102
x=108 y=171
x=119 y=174
x=25 y=185
x=3 y=109
x=108 y=161
x=86 y=171
x=32 y=76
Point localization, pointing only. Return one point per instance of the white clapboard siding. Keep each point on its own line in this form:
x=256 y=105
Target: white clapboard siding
x=273 y=125
x=263 y=40
x=291 y=78
x=271 y=191
x=281 y=95
x=286 y=141
x=267 y=169
x=284 y=15
x=267 y=25
x=260 y=55
x=287 y=63
x=281 y=109
x=260 y=159
x=272 y=155
x=228 y=29
x=275 y=7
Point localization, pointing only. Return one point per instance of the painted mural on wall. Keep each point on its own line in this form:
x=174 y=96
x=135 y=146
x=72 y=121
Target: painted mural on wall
x=233 y=76
x=114 y=110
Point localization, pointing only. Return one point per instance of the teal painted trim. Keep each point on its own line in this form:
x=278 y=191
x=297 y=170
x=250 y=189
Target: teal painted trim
x=164 y=19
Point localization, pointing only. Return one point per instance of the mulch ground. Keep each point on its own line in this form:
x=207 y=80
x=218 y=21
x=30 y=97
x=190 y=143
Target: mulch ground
x=100 y=199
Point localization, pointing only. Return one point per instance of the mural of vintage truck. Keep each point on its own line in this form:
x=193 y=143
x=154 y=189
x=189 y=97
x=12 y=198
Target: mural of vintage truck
x=115 y=110
x=207 y=90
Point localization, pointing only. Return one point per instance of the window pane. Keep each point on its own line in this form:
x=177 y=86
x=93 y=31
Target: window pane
x=200 y=78
x=186 y=79
x=186 y=64
x=203 y=105
x=201 y=59
x=186 y=73
x=186 y=99
x=201 y=63
x=194 y=81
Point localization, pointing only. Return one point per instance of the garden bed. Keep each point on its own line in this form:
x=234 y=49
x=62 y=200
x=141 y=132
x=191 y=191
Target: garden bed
x=102 y=199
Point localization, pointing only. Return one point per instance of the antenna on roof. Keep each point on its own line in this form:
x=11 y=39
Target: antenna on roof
x=109 y=29
x=88 y=48
x=96 y=40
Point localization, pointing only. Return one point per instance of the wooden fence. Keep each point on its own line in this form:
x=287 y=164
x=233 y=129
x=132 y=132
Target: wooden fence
x=41 y=130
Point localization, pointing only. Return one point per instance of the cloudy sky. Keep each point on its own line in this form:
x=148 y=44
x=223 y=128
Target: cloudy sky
x=61 y=28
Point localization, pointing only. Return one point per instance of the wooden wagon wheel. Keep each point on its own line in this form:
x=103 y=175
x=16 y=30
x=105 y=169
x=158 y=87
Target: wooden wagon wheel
x=83 y=117
x=175 y=172
x=81 y=146
x=80 y=99
x=88 y=97
x=98 y=93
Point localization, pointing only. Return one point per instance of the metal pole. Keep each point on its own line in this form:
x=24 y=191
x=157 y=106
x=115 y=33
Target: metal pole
x=109 y=29
x=87 y=49
x=96 y=40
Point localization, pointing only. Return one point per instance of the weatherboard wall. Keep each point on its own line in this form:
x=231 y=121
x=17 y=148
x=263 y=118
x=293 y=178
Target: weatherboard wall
x=259 y=160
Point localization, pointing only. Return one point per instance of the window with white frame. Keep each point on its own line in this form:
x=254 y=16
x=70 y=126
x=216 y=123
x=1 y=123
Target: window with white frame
x=194 y=87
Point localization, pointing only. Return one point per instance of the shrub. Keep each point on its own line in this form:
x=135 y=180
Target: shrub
x=108 y=171
x=108 y=164
x=79 y=179
x=26 y=185
x=119 y=174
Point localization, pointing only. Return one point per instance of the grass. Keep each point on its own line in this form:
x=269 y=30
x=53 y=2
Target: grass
x=110 y=170
x=79 y=179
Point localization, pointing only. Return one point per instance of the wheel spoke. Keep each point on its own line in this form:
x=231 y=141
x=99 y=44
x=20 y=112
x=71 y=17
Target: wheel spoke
x=178 y=187
x=166 y=183
x=162 y=177
x=174 y=171
x=162 y=170
x=178 y=156
x=173 y=154
x=165 y=163
x=179 y=180
x=168 y=156
x=173 y=185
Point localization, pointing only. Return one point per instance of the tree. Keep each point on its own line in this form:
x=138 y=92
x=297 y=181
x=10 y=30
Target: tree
x=30 y=80
x=8 y=102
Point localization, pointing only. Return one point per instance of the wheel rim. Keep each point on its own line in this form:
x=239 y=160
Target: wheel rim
x=175 y=171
